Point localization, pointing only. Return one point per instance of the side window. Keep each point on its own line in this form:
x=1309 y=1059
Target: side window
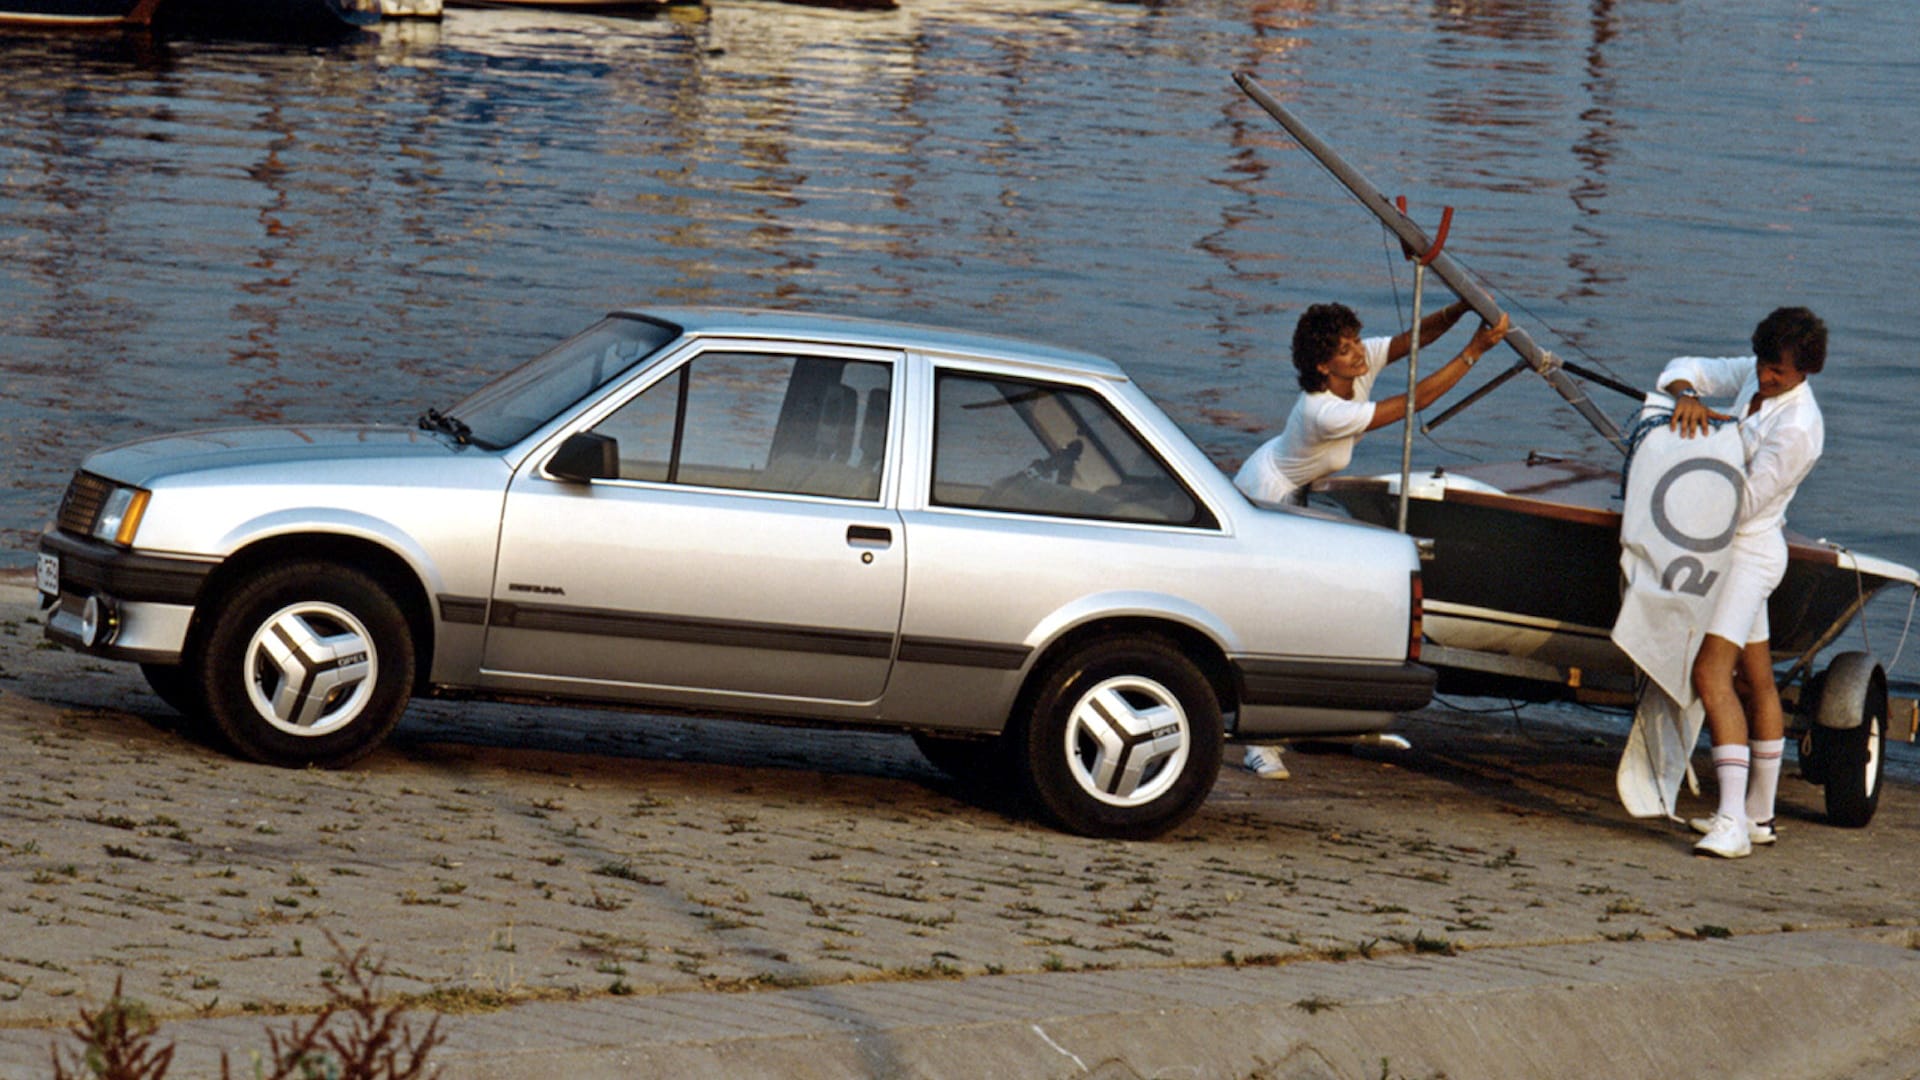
x=801 y=425
x=644 y=428
x=1003 y=444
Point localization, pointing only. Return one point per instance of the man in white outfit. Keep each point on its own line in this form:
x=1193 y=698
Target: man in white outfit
x=1336 y=370
x=1782 y=434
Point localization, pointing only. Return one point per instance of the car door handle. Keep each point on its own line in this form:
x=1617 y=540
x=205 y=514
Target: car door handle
x=869 y=536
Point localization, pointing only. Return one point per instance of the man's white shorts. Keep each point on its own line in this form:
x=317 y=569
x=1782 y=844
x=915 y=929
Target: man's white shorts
x=1759 y=562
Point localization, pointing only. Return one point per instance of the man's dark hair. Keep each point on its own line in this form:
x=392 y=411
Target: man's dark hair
x=1794 y=332
x=1316 y=338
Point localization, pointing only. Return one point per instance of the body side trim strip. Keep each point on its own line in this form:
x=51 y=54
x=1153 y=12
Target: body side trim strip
x=598 y=622
x=466 y=610
x=956 y=653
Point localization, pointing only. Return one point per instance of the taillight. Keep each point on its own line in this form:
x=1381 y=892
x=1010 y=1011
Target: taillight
x=1415 y=608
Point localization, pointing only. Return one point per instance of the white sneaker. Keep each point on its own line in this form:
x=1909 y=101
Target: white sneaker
x=1265 y=763
x=1726 y=837
x=1758 y=832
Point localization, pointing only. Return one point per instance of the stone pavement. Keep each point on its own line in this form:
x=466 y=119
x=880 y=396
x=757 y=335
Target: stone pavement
x=587 y=893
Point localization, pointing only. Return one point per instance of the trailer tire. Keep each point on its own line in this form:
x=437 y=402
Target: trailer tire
x=1848 y=737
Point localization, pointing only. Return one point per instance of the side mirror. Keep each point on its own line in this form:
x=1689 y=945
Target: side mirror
x=586 y=456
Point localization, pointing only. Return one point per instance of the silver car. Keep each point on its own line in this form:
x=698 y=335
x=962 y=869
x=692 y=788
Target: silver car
x=1003 y=548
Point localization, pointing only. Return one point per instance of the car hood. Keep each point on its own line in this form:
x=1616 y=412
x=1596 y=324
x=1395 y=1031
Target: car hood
x=143 y=461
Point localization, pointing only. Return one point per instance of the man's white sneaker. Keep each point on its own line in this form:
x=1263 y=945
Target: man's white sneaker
x=1265 y=763
x=1758 y=832
x=1726 y=837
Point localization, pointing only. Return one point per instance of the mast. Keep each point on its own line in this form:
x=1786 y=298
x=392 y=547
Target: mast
x=1450 y=271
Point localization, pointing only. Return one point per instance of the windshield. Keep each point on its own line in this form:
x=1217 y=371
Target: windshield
x=510 y=407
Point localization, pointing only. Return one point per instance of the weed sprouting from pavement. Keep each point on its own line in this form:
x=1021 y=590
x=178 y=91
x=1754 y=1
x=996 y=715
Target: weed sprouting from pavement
x=118 y=1043
x=625 y=871
x=1421 y=943
x=121 y=1041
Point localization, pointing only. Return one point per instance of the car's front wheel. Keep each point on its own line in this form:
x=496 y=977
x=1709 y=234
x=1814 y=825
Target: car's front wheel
x=307 y=664
x=179 y=686
x=1123 y=739
x=974 y=762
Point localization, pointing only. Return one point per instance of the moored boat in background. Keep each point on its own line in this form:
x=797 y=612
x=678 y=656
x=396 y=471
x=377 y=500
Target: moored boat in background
x=274 y=19
x=270 y=19
x=583 y=7
x=76 y=14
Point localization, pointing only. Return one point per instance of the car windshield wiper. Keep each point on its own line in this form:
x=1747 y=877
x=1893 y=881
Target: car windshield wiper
x=435 y=420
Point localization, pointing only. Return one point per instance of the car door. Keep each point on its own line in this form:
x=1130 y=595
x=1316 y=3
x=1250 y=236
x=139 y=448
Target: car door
x=745 y=548
x=1041 y=502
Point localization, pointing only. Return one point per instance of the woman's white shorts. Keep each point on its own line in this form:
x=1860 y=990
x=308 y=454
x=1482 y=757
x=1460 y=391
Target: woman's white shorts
x=1759 y=562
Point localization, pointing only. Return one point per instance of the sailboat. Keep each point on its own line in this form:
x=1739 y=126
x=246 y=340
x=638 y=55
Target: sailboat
x=1522 y=579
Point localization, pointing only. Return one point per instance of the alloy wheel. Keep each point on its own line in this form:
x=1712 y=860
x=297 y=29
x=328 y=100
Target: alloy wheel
x=1127 y=740
x=311 y=668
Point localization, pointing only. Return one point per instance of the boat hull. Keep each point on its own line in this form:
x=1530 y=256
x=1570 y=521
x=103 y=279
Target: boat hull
x=66 y=13
x=270 y=19
x=1526 y=564
x=274 y=20
x=584 y=7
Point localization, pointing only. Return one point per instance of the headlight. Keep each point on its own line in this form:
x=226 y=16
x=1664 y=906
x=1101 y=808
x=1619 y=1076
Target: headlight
x=119 y=516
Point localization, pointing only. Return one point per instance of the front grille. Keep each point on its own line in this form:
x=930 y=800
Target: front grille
x=82 y=503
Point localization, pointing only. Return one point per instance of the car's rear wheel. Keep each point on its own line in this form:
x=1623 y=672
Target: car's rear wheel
x=1123 y=739
x=307 y=664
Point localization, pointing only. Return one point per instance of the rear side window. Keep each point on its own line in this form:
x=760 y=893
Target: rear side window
x=1039 y=448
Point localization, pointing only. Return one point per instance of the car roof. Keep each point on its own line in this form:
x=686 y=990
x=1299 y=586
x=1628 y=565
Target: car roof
x=850 y=330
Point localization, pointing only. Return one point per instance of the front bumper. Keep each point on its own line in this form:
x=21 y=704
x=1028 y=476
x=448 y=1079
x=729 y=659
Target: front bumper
x=121 y=604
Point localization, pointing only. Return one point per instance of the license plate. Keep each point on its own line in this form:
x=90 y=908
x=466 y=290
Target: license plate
x=48 y=575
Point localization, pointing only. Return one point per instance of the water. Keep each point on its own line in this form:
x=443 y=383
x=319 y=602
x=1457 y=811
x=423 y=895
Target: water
x=196 y=232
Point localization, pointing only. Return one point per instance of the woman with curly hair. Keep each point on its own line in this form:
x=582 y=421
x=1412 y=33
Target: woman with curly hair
x=1336 y=370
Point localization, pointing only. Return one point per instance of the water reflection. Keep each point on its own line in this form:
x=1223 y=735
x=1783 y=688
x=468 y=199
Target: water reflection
x=201 y=232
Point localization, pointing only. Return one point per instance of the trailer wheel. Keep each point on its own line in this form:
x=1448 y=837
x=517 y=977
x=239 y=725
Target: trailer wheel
x=1848 y=737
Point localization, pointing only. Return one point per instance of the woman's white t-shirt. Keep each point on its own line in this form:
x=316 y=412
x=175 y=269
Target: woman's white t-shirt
x=1318 y=438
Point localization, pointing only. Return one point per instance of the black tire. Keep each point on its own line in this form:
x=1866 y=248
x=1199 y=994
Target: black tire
x=310 y=663
x=179 y=686
x=976 y=763
x=1123 y=739
x=1852 y=759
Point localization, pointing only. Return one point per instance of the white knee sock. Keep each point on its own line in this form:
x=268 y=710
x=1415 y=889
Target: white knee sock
x=1730 y=767
x=1765 y=783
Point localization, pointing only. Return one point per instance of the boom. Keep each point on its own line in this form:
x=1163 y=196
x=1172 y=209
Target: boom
x=1450 y=271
